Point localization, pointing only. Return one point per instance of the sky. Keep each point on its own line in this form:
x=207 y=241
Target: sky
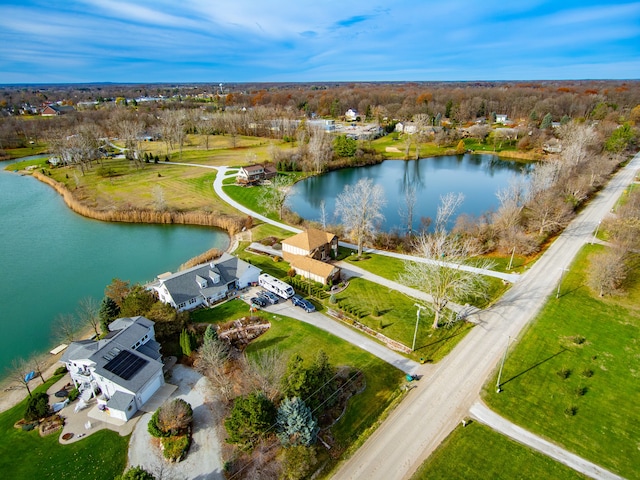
x=123 y=41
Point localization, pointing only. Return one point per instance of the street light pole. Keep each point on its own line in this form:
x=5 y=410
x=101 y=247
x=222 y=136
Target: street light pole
x=504 y=357
x=415 y=333
x=560 y=282
x=512 y=254
x=595 y=235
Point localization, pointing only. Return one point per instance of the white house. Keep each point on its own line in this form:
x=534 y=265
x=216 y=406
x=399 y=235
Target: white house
x=207 y=283
x=407 y=127
x=501 y=118
x=123 y=370
x=350 y=115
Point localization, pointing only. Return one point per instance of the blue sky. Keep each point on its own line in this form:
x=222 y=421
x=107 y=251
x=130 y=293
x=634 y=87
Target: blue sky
x=49 y=41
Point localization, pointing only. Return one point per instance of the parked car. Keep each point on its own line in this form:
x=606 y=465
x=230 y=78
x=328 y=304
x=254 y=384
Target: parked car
x=297 y=300
x=272 y=298
x=306 y=305
x=261 y=302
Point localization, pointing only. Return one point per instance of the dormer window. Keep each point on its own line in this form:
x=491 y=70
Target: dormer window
x=202 y=282
x=215 y=277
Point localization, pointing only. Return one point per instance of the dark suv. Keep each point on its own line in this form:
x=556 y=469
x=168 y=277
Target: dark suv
x=259 y=301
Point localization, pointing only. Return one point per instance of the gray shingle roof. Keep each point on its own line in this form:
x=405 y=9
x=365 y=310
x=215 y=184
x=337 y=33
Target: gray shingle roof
x=183 y=285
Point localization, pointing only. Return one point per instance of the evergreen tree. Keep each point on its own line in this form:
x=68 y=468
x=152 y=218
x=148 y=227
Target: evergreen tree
x=296 y=425
x=547 y=121
x=250 y=419
x=109 y=311
x=187 y=342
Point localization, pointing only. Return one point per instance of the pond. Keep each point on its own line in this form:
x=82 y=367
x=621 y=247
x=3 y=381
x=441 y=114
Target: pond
x=478 y=177
x=51 y=258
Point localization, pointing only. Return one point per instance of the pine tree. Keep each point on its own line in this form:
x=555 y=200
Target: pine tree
x=547 y=121
x=109 y=311
x=186 y=342
x=296 y=425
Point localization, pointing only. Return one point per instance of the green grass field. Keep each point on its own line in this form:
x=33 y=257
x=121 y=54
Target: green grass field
x=24 y=455
x=574 y=377
x=476 y=451
x=383 y=381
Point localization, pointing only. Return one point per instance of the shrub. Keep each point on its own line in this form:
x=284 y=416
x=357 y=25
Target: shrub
x=37 y=406
x=375 y=312
x=578 y=339
x=153 y=428
x=564 y=373
x=291 y=272
x=333 y=300
x=571 y=410
x=73 y=394
x=60 y=370
x=175 y=448
x=580 y=391
x=587 y=372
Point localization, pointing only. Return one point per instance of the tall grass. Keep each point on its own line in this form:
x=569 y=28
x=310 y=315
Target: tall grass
x=231 y=223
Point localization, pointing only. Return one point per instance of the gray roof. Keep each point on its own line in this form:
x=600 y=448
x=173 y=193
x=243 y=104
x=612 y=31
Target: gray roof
x=183 y=285
x=102 y=351
x=120 y=401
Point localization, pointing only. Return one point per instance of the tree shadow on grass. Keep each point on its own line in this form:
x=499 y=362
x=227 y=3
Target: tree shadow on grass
x=268 y=343
x=444 y=339
x=533 y=366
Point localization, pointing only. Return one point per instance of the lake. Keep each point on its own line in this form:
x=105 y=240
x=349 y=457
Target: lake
x=50 y=258
x=479 y=177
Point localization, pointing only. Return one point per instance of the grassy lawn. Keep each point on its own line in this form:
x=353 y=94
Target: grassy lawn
x=391 y=269
x=183 y=188
x=397 y=319
x=573 y=377
x=225 y=312
x=291 y=336
x=248 y=197
x=102 y=455
x=476 y=451
x=41 y=163
x=36 y=149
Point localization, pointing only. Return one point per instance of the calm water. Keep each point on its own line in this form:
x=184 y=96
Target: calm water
x=479 y=177
x=50 y=258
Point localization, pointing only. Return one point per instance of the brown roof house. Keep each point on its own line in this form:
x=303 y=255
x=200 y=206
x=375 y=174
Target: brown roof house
x=255 y=174
x=308 y=252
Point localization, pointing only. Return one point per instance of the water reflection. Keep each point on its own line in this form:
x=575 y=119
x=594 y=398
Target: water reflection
x=478 y=176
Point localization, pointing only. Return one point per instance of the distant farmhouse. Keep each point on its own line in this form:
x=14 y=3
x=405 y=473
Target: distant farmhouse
x=254 y=174
x=54 y=109
x=206 y=284
x=308 y=253
x=123 y=370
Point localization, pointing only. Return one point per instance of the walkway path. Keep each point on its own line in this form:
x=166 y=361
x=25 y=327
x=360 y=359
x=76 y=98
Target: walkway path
x=483 y=414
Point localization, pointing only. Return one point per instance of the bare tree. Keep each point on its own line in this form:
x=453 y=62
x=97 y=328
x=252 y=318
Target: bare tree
x=66 y=328
x=608 y=271
x=88 y=314
x=273 y=196
x=159 y=201
x=320 y=149
x=438 y=273
x=20 y=372
x=360 y=207
x=175 y=416
x=212 y=361
x=268 y=367
x=38 y=364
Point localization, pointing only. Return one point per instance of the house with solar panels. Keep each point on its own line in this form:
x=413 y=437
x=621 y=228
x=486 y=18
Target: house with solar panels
x=206 y=284
x=122 y=370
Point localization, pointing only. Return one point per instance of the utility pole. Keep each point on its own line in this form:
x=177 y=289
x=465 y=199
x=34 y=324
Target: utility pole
x=504 y=357
x=560 y=281
x=415 y=333
x=512 y=254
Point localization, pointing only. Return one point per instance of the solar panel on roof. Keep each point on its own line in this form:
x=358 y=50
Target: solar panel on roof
x=125 y=365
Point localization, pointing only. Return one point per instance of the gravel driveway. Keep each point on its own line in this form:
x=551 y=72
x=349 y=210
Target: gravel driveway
x=203 y=460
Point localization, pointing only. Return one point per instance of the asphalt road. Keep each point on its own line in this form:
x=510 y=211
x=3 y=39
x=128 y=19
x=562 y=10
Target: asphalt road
x=445 y=394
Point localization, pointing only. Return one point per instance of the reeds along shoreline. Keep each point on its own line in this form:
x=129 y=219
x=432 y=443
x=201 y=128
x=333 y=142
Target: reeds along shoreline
x=232 y=224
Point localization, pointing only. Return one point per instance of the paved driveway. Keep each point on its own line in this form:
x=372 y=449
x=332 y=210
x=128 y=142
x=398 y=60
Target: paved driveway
x=204 y=460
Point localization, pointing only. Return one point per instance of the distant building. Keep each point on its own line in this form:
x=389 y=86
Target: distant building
x=351 y=115
x=54 y=109
x=255 y=173
x=502 y=118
